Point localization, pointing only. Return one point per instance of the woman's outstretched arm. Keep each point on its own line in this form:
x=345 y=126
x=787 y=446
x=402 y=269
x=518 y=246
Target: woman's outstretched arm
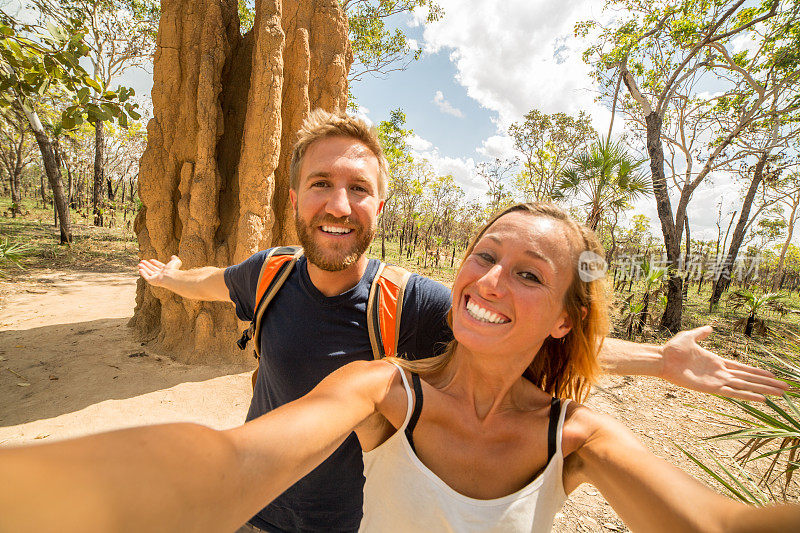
x=651 y=495
x=184 y=477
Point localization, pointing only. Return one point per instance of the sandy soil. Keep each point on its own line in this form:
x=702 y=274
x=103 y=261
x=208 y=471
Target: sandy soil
x=70 y=366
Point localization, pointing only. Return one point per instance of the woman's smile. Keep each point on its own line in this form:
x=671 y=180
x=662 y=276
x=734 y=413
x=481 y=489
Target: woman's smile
x=483 y=313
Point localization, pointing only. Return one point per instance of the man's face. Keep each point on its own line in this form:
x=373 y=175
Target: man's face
x=336 y=204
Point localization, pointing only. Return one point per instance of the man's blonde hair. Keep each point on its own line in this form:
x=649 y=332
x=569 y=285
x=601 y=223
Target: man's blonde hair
x=322 y=124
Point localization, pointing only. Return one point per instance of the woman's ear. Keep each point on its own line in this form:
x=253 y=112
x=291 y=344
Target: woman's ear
x=562 y=326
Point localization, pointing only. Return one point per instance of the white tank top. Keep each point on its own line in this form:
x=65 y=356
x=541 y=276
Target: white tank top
x=401 y=494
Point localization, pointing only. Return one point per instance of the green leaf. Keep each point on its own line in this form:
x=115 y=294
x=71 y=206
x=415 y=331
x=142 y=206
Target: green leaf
x=68 y=122
x=92 y=83
x=792 y=421
x=57 y=32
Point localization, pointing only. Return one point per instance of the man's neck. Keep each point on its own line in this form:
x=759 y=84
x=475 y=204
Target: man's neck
x=335 y=283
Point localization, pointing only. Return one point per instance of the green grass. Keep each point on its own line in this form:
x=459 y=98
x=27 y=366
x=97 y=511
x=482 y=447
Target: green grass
x=726 y=339
x=93 y=249
x=444 y=273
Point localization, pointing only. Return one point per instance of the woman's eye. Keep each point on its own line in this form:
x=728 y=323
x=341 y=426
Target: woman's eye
x=529 y=276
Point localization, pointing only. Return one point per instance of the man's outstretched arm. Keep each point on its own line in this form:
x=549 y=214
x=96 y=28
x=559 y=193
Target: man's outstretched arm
x=206 y=283
x=685 y=363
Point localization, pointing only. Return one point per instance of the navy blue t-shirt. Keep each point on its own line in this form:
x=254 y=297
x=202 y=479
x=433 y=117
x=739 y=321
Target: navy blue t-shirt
x=305 y=336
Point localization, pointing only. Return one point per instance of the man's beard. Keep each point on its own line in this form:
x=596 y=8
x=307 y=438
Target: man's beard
x=332 y=259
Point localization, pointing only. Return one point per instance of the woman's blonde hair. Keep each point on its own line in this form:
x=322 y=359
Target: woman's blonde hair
x=564 y=367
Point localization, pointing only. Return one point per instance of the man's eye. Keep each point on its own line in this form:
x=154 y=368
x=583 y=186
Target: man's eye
x=359 y=188
x=319 y=184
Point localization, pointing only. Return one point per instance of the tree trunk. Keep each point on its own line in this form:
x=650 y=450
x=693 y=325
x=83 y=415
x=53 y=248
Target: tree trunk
x=97 y=190
x=642 y=318
x=687 y=257
x=728 y=231
x=723 y=282
x=594 y=216
x=671 y=319
x=748 y=328
x=16 y=193
x=214 y=178
x=383 y=238
x=53 y=175
x=790 y=230
x=70 y=199
x=42 y=193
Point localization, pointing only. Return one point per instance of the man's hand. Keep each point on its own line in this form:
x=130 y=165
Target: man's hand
x=687 y=364
x=205 y=283
x=156 y=273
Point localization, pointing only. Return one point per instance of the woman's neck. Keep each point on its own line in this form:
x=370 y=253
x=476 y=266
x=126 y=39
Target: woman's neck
x=489 y=383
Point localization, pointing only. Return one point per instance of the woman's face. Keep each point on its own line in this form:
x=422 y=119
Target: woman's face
x=508 y=295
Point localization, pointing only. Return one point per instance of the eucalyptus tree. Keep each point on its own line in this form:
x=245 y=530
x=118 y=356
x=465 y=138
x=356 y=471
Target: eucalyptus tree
x=120 y=34
x=496 y=174
x=379 y=44
x=546 y=145
x=393 y=135
x=604 y=177
x=788 y=195
x=763 y=149
x=441 y=200
x=16 y=152
x=34 y=65
x=668 y=54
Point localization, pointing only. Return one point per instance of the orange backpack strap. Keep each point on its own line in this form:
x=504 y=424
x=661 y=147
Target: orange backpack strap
x=384 y=309
x=276 y=268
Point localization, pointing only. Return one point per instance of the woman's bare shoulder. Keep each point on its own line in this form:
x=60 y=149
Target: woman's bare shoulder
x=584 y=426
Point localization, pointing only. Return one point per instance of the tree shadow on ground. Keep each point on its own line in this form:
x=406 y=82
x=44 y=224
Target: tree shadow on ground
x=52 y=370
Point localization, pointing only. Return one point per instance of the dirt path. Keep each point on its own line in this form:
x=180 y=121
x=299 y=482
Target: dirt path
x=69 y=366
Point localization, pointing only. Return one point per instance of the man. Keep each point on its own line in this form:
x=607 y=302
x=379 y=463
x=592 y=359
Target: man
x=317 y=322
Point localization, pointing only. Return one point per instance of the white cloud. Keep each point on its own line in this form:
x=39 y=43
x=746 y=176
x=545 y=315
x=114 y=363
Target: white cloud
x=516 y=55
x=500 y=146
x=363 y=113
x=418 y=144
x=512 y=56
x=462 y=169
x=445 y=106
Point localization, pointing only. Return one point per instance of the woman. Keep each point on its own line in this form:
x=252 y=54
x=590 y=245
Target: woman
x=480 y=444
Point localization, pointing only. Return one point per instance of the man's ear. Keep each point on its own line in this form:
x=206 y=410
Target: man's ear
x=293 y=199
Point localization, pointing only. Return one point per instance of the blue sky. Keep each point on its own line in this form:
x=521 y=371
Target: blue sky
x=414 y=91
x=484 y=65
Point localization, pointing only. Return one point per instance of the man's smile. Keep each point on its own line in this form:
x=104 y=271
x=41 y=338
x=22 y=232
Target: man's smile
x=336 y=230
